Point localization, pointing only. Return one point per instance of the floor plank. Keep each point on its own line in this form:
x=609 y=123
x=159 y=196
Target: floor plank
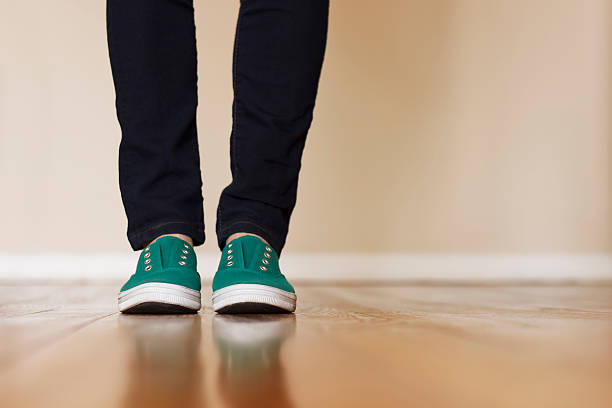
x=435 y=346
x=33 y=317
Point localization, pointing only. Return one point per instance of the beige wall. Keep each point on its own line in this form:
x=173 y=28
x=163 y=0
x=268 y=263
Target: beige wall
x=441 y=126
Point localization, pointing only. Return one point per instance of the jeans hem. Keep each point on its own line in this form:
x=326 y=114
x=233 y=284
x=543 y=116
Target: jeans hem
x=249 y=227
x=139 y=239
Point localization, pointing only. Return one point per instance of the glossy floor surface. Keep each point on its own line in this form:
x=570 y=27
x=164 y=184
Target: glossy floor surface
x=347 y=346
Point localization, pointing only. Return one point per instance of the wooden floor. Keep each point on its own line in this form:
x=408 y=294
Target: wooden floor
x=347 y=346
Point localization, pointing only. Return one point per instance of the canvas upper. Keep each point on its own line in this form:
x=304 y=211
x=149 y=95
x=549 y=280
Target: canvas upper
x=167 y=260
x=250 y=260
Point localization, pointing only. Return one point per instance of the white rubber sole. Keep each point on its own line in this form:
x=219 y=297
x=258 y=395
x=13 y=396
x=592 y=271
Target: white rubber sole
x=159 y=294
x=255 y=298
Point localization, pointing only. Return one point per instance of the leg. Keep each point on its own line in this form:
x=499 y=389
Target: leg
x=153 y=59
x=278 y=54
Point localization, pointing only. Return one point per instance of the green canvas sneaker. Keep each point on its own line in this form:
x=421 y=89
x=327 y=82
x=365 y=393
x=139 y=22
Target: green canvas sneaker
x=166 y=280
x=249 y=280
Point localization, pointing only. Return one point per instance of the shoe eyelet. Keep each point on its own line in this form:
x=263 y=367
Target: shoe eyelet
x=148 y=268
x=267 y=255
x=263 y=268
x=182 y=262
x=230 y=257
x=147 y=248
x=148 y=254
x=230 y=245
x=229 y=251
x=147 y=261
x=230 y=263
x=265 y=261
x=268 y=249
x=185 y=251
x=183 y=257
x=186 y=246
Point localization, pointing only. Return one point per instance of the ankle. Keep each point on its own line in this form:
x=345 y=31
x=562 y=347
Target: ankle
x=243 y=234
x=185 y=238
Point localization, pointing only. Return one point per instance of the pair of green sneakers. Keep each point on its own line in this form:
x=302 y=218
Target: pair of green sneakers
x=248 y=280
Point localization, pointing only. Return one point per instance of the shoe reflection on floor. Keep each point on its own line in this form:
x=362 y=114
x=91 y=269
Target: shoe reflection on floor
x=251 y=372
x=164 y=368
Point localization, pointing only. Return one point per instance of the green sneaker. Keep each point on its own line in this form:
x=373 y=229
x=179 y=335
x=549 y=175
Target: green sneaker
x=166 y=280
x=249 y=280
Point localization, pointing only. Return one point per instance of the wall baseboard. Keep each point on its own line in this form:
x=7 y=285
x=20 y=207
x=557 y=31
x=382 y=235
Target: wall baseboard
x=334 y=267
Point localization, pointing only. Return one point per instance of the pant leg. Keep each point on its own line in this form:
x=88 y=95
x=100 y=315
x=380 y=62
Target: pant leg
x=153 y=59
x=278 y=53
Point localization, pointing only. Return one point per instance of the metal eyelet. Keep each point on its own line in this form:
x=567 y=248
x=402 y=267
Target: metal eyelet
x=265 y=261
x=148 y=254
x=268 y=249
x=148 y=268
x=263 y=268
x=183 y=257
x=230 y=257
x=182 y=262
x=229 y=251
x=186 y=246
x=185 y=251
x=267 y=255
x=147 y=248
x=230 y=263
x=147 y=261
x=230 y=245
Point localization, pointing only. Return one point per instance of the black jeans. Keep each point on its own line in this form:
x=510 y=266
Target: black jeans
x=278 y=53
